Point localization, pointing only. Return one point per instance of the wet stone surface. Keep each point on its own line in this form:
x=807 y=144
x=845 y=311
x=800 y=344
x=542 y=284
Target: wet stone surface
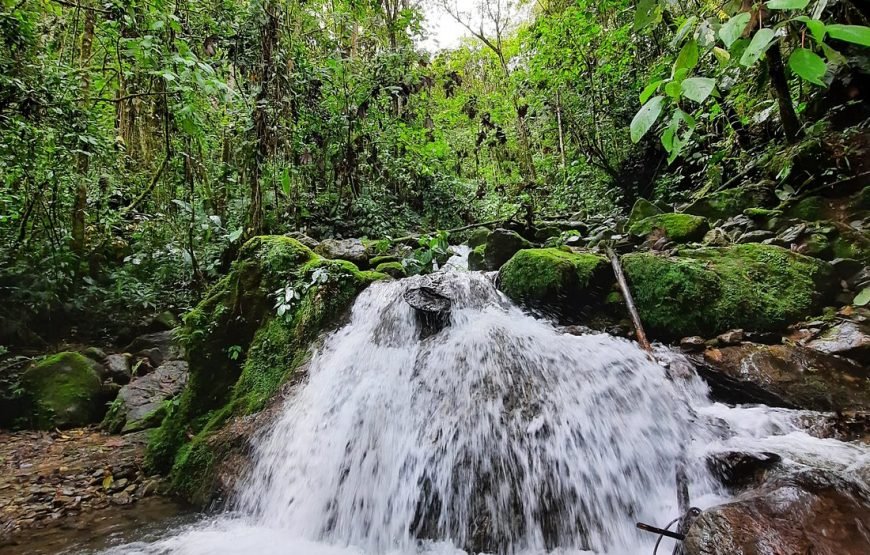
x=46 y=477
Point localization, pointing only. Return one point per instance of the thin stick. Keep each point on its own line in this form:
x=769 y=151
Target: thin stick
x=629 y=301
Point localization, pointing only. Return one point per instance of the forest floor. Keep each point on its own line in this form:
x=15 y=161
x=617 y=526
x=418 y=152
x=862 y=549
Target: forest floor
x=48 y=476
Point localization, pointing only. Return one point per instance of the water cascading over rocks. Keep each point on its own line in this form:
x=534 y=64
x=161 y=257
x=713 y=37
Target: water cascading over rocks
x=495 y=433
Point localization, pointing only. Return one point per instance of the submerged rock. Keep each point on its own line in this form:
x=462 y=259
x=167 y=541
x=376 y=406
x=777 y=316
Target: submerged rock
x=65 y=391
x=708 y=290
x=555 y=277
x=785 y=376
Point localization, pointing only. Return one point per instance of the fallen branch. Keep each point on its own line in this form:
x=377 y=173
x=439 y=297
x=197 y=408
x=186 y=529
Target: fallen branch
x=154 y=179
x=454 y=230
x=629 y=301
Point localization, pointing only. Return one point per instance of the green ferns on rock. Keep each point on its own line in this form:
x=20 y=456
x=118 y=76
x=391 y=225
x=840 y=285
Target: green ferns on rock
x=551 y=275
x=241 y=351
x=705 y=291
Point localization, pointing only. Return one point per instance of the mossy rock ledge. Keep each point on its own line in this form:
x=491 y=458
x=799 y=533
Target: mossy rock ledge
x=555 y=278
x=241 y=350
x=677 y=227
x=708 y=290
x=64 y=390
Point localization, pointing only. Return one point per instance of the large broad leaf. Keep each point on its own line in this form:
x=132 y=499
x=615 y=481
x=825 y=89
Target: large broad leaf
x=646 y=13
x=863 y=297
x=787 y=4
x=650 y=90
x=646 y=117
x=688 y=57
x=757 y=46
x=857 y=34
x=698 y=88
x=808 y=65
x=816 y=27
x=733 y=28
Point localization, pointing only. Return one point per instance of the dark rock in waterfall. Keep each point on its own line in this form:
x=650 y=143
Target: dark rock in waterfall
x=737 y=469
x=432 y=309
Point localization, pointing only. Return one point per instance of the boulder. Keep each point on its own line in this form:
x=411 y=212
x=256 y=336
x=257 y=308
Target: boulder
x=478 y=237
x=501 y=245
x=157 y=347
x=693 y=344
x=708 y=290
x=681 y=228
x=352 y=250
x=728 y=203
x=792 y=515
x=118 y=367
x=554 y=277
x=164 y=321
x=431 y=307
x=641 y=210
x=477 y=258
x=848 y=339
x=785 y=376
x=737 y=469
x=393 y=269
x=141 y=403
x=309 y=242
x=65 y=391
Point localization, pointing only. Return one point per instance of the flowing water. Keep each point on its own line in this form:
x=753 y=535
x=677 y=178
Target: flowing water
x=498 y=434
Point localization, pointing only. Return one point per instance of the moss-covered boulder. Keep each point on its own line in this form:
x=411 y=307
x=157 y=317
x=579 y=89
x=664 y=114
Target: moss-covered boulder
x=393 y=269
x=376 y=261
x=721 y=205
x=677 y=227
x=808 y=208
x=242 y=347
x=706 y=291
x=641 y=210
x=478 y=237
x=555 y=277
x=501 y=245
x=65 y=391
x=477 y=258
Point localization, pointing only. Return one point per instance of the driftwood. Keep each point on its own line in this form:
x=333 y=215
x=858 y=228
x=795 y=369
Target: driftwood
x=629 y=301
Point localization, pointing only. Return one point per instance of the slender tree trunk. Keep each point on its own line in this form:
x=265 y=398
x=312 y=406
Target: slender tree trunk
x=79 y=213
x=790 y=123
x=561 y=130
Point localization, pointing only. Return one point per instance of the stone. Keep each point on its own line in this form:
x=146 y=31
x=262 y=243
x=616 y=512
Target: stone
x=785 y=376
x=721 y=205
x=392 y=269
x=478 y=237
x=681 y=228
x=501 y=245
x=848 y=339
x=65 y=391
x=477 y=258
x=846 y=268
x=141 y=403
x=693 y=344
x=730 y=337
x=737 y=469
x=164 y=321
x=641 y=210
x=756 y=236
x=352 y=250
x=309 y=242
x=95 y=354
x=157 y=347
x=716 y=237
x=118 y=367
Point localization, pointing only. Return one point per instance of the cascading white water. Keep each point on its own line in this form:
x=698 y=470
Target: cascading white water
x=498 y=434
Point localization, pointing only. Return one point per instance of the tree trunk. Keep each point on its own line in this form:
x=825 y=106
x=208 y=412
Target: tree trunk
x=79 y=212
x=790 y=123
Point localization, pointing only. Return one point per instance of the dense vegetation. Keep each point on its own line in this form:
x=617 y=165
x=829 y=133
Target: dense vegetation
x=141 y=143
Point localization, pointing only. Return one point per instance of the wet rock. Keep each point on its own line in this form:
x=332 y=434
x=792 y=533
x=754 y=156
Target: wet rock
x=785 y=376
x=141 y=403
x=432 y=308
x=693 y=344
x=118 y=367
x=730 y=337
x=501 y=245
x=157 y=347
x=392 y=269
x=848 y=339
x=797 y=515
x=737 y=469
x=352 y=250
x=94 y=353
x=478 y=237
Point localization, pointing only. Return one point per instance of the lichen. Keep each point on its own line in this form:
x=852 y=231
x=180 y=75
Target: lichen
x=542 y=275
x=64 y=390
x=708 y=290
x=678 y=227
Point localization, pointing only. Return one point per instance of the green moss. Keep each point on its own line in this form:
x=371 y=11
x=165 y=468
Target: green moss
x=477 y=258
x=394 y=269
x=378 y=260
x=542 y=275
x=478 y=237
x=809 y=209
x=706 y=291
x=817 y=245
x=641 y=210
x=756 y=212
x=65 y=391
x=678 y=227
x=239 y=312
x=850 y=243
x=727 y=203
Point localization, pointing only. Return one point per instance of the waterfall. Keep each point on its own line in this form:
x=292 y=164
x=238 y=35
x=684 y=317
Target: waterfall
x=497 y=434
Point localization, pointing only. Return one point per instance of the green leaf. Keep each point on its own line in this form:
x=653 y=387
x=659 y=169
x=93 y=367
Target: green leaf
x=733 y=28
x=649 y=90
x=646 y=117
x=698 y=88
x=722 y=55
x=833 y=56
x=862 y=298
x=787 y=4
x=857 y=34
x=757 y=46
x=646 y=13
x=285 y=181
x=672 y=89
x=808 y=65
x=684 y=30
x=816 y=27
x=688 y=56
